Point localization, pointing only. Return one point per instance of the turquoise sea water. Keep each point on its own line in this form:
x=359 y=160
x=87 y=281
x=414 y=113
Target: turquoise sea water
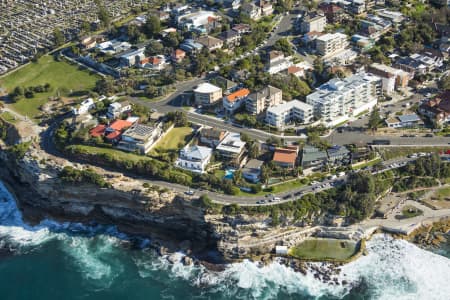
x=71 y=261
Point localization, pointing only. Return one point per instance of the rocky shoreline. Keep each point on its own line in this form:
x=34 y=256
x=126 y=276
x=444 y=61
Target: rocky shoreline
x=172 y=223
x=431 y=236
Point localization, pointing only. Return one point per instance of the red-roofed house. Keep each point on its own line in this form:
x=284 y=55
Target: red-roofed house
x=114 y=136
x=157 y=62
x=115 y=129
x=235 y=100
x=334 y=13
x=285 y=157
x=97 y=131
x=295 y=70
x=437 y=109
x=178 y=55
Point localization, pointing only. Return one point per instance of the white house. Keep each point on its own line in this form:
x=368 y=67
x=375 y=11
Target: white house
x=83 y=107
x=132 y=57
x=277 y=62
x=117 y=108
x=140 y=138
x=194 y=158
x=252 y=170
x=281 y=250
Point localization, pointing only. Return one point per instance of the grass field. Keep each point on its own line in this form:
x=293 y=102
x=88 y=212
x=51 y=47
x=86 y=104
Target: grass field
x=279 y=188
x=174 y=138
x=367 y=164
x=410 y=211
x=8 y=117
x=321 y=249
x=117 y=154
x=443 y=193
x=65 y=79
x=390 y=153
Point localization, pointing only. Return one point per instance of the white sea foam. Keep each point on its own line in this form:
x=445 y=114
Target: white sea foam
x=396 y=269
x=93 y=254
x=393 y=269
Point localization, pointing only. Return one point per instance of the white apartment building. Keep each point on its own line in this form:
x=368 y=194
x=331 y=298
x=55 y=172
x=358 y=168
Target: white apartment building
x=207 y=94
x=313 y=23
x=331 y=43
x=235 y=100
x=392 y=78
x=287 y=112
x=339 y=99
x=194 y=158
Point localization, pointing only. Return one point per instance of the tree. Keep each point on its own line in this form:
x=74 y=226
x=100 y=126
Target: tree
x=16 y=94
x=237 y=177
x=58 y=37
x=154 y=48
x=102 y=14
x=265 y=174
x=133 y=33
x=444 y=83
x=284 y=46
x=85 y=26
x=374 y=120
x=152 y=26
x=275 y=215
x=253 y=150
x=285 y=5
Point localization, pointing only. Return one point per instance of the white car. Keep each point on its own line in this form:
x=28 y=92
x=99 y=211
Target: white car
x=276 y=199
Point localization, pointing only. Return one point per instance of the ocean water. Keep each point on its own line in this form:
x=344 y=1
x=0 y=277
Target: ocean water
x=71 y=261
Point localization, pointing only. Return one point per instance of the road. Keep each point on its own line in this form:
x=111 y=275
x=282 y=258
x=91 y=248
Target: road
x=47 y=144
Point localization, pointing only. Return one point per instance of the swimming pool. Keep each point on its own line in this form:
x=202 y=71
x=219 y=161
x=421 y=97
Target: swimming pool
x=229 y=174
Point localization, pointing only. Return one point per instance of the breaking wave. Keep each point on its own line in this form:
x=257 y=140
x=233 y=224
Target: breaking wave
x=393 y=269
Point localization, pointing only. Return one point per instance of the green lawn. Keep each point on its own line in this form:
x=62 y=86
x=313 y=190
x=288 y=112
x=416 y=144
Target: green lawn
x=117 y=154
x=8 y=117
x=367 y=164
x=391 y=152
x=279 y=188
x=318 y=249
x=410 y=211
x=65 y=79
x=443 y=193
x=219 y=173
x=174 y=139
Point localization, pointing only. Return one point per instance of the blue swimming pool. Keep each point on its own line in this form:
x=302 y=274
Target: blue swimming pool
x=229 y=174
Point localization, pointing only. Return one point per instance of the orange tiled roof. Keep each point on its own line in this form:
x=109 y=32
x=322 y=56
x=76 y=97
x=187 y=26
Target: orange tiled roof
x=113 y=135
x=294 y=69
x=238 y=94
x=120 y=125
x=285 y=155
x=155 y=60
x=97 y=130
x=145 y=60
